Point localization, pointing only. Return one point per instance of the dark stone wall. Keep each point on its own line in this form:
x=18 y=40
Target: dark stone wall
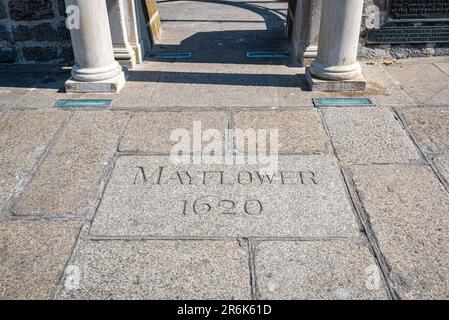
x=33 y=31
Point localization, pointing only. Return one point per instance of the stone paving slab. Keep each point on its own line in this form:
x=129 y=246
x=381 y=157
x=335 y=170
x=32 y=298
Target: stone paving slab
x=383 y=90
x=43 y=99
x=68 y=180
x=431 y=127
x=150 y=132
x=319 y=270
x=159 y=270
x=442 y=163
x=407 y=209
x=10 y=95
x=7 y=187
x=298 y=131
x=443 y=66
x=308 y=200
x=196 y=91
x=369 y=135
x=421 y=91
x=33 y=256
x=23 y=139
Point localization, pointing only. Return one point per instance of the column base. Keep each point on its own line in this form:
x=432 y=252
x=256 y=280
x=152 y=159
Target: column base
x=356 y=84
x=126 y=57
x=128 y=63
x=310 y=54
x=113 y=85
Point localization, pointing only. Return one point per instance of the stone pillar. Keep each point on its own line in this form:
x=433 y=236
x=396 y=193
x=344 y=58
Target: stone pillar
x=95 y=68
x=336 y=66
x=123 y=52
x=306 y=31
x=138 y=35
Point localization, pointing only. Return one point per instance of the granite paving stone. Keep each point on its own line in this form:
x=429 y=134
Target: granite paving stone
x=431 y=126
x=338 y=270
x=420 y=91
x=43 y=99
x=298 y=131
x=152 y=197
x=68 y=179
x=159 y=270
x=32 y=256
x=382 y=89
x=408 y=212
x=140 y=136
x=9 y=96
x=24 y=137
x=369 y=135
x=442 y=163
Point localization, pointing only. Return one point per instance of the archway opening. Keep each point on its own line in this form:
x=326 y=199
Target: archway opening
x=223 y=31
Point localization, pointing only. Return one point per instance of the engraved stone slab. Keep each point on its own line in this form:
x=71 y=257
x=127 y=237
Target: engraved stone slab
x=150 y=196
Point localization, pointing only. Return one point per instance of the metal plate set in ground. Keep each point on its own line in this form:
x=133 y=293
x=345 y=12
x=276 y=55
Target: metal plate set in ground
x=342 y=102
x=83 y=103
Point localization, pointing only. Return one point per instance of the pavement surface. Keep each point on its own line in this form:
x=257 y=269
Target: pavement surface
x=93 y=207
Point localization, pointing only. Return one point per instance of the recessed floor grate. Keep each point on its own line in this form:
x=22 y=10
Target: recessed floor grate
x=343 y=102
x=173 y=55
x=267 y=54
x=83 y=103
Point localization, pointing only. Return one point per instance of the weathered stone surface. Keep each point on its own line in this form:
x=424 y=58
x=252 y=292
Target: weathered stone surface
x=443 y=66
x=5 y=34
x=421 y=91
x=314 y=206
x=9 y=96
x=431 y=126
x=407 y=208
x=299 y=131
x=6 y=189
x=369 y=135
x=44 y=98
x=32 y=256
x=150 y=132
x=30 y=10
x=24 y=137
x=442 y=163
x=317 y=270
x=8 y=54
x=42 y=32
x=160 y=270
x=40 y=54
x=215 y=84
x=3 y=13
x=380 y=87
x=68 y=179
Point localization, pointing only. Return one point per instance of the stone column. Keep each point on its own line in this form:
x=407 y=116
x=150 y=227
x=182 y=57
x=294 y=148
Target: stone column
x=123 y=52
x=336 y=66
x=95 y=68
x=306 y=31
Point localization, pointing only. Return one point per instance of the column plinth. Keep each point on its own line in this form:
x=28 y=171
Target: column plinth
x=336 y=66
